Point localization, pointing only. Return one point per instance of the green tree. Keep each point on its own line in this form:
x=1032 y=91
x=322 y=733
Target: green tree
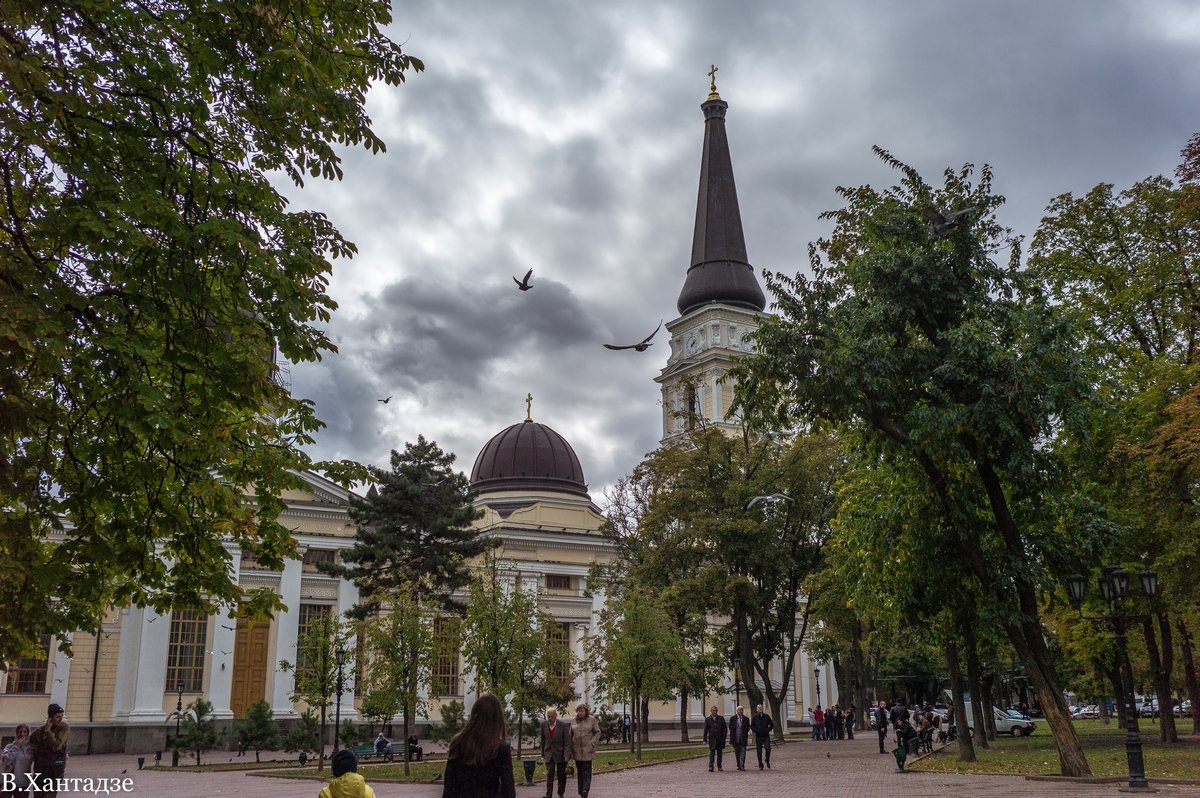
x=198 y=730
x=305 y=734
x=402 y=651
x=454 y=717
x=316 y=668
x=379 y=706
x=942 y=360
x=258 y=731
x=639 y=651
x=415 y=528
x=153 y=279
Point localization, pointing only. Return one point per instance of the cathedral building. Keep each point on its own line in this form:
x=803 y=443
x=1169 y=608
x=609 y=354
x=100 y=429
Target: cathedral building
x=121 y=686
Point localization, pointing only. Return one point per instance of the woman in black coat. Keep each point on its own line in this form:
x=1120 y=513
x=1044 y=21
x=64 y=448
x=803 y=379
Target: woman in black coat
x=479 y=764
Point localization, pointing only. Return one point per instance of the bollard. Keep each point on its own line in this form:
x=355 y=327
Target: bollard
x=141 y=762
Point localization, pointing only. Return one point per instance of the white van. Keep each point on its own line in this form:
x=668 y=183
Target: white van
x=1007 y=722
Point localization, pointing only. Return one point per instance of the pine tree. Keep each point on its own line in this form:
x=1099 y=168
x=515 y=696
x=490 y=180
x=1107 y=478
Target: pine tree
x=414 y=528
x=258 y=731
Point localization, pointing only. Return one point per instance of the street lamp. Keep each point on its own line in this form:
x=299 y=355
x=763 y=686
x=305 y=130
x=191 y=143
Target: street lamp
x=178 y=717
x=737 y=682
x=339 y=685
x=817 y=676
x=1114 y=587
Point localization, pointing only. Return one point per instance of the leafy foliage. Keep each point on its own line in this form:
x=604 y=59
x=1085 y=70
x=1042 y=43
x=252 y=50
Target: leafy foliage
x=414 y=529
x=198 y=730
x=258 y=731
x=305 y=734
x=316 y=668
x=454 y=717
x=153 y=278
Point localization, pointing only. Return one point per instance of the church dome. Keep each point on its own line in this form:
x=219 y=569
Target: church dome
x=529 y=457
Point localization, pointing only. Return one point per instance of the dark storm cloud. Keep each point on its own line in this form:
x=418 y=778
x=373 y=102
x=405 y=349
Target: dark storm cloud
x=566 y=137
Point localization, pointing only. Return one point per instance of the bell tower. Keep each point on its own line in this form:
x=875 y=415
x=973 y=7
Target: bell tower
x=721 y=300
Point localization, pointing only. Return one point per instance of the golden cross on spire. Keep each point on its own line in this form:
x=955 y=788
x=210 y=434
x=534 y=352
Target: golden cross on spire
x=529 y=407
x=712 y=82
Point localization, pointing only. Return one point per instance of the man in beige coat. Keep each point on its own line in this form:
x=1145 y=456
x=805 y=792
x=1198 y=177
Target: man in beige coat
x=585 y=733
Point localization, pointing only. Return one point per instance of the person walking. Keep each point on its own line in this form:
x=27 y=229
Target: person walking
x=585 y=733
x=851 y=721
x=762 y=726
x=49 y=743
x=818 y=723
x=479 y=763
x=739 y=736
x=881 y=724
x=715 y=731
x=17 y=759
x=556 y=751
x=346 y=782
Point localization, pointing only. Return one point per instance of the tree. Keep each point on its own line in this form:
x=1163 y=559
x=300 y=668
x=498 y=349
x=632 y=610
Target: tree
x=941 y=360
x=453 y=719
x=414 y=529
x=198 y=731
x=402 y=650
x=639 y=650
x=153 y=279
x=258 y=731
x=305 y=735
x=316 y=668
x=379 y=706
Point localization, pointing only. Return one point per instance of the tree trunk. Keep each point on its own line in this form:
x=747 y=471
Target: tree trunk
x=635 y=740
x=1189 y=671
x=966 y=749
x=859 y=680
x=408 y=732
x=683 y=714
x=1161 y=664
x=776 y=704
x=973 y=684
x=644 y=720
x=321 y=756
x=987 y=681
x=1114 y=678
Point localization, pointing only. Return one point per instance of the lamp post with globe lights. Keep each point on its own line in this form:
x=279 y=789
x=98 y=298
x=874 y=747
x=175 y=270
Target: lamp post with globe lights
x=1114 y=588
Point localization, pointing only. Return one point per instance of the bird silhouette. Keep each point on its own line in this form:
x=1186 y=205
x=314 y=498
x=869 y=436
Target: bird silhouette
x=640 y=346
x=227 y=626
x=384 y=401
x=943 y=224
x=438 y=777
x=523 y=284
x=774 y=497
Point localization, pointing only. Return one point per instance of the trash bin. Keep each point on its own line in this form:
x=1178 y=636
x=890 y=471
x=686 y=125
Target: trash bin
x=530 y=768
x=900 y=755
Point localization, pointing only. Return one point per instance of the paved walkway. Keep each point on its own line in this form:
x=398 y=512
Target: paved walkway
x=800 y=768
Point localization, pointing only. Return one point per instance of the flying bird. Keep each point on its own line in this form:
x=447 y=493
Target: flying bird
x=774 y=497
x=524 y=283
x=640 y=346
x=384 y=401
x=944 y=224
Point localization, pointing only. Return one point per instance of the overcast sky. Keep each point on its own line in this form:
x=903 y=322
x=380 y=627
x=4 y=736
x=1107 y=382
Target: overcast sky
x=566 y=136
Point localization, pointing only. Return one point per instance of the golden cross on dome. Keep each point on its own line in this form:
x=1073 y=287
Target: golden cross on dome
x=712 y=82
x=529 y=407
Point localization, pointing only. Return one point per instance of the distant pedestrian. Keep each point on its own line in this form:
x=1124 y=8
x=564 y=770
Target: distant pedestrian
x=479 y=763
x=851 y=720
x=715 y=732
x=625 y=728
x=585 y=733
x=17 y=760
x=881 y=724
x=346 y=782
x=739 y=736
x=818 y=723
x=762 y=726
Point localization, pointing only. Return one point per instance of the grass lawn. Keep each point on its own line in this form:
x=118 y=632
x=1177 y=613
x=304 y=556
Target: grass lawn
x=426 y=771
x=1104 y=746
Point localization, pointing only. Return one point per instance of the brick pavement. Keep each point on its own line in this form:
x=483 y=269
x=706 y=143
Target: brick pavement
x=800 y=768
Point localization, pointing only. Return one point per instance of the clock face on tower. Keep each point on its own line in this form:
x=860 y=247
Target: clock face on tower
x=693 y=343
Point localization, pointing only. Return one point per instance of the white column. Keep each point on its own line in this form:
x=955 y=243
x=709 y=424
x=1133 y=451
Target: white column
x=286 y=633
x=220 y=653
x=60 y=675
x=149 y=675
x=347 y=598
x=583 y=680
x=718 y=409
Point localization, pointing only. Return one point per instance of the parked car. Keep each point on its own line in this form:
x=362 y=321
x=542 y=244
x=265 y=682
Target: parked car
x=1090 y=711
x=1183 y=708
x=1148 y=709
x=1007 y=722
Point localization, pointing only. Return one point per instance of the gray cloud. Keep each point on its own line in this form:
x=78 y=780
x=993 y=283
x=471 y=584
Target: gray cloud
x=566 y=137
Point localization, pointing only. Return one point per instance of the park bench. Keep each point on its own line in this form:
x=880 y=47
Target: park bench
x=367 y=750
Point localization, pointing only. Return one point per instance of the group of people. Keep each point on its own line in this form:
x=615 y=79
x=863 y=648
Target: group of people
x=910 y=735
x=832 y=723
x=737 y=730
x=479 y=763
x=383 y=748
x=36 y=760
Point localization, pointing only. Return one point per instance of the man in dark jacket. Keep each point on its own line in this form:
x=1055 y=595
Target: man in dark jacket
x=557 y=750
x=715 y=732
x=881 y=724
x=762 y=726
x=739 y=736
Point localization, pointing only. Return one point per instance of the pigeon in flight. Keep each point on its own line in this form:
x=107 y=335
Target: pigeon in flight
x=384 y=401
x=640 y=346
x=524 y=283
x=774 y=497
x=944 y=224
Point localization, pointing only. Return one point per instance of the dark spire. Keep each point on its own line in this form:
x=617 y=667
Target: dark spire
x=720 y=270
